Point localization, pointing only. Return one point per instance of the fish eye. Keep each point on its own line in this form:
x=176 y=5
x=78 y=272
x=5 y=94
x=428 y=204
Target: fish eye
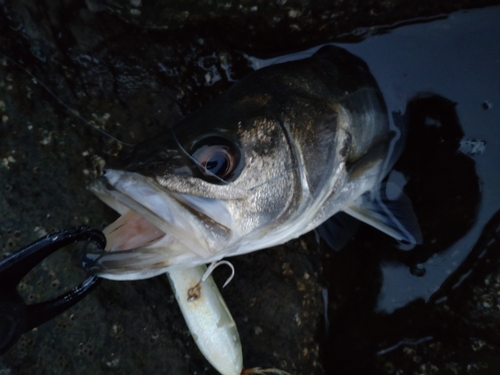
x=217 y=158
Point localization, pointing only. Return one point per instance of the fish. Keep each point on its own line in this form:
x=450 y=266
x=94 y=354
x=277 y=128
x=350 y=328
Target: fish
x=274 y=157
x=277 y=155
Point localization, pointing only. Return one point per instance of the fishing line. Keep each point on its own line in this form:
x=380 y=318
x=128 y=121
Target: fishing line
x=283 y=175
x=196 y=161
x=71 y=110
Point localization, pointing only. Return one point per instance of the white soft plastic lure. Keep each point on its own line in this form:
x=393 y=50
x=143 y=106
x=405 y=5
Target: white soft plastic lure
x=208 y=318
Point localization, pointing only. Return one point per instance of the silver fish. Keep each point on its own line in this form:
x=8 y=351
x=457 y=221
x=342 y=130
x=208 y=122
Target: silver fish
x=272 y=158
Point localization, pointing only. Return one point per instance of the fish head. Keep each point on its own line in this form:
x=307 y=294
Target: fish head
x=210 y=187
x=251 y=169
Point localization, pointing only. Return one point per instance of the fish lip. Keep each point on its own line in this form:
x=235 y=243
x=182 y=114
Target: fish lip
x=115 y=188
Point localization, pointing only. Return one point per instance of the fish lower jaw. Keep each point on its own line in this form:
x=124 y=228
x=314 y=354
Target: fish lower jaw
x=119 y=274
x=164 y=254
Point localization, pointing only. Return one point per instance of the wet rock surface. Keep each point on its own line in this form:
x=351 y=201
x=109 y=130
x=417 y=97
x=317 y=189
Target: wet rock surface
x=131 y=68
x=294 y=24
x=456 y=332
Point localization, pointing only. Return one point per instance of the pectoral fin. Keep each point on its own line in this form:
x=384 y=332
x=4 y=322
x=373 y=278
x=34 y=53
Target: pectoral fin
x=393 y=216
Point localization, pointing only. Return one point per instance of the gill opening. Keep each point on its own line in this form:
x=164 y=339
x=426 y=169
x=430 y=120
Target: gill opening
x=36 y=81
x=305 y=193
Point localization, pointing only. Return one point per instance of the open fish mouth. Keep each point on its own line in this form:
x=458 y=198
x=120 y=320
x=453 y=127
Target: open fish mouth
x=157 y=229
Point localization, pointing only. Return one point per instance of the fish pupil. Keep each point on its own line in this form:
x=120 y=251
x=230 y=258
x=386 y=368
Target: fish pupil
x=218 y=164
